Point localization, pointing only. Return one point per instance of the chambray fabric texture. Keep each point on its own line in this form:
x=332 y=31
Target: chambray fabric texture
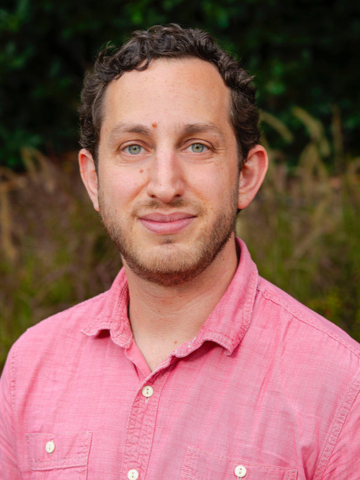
x=266 y=384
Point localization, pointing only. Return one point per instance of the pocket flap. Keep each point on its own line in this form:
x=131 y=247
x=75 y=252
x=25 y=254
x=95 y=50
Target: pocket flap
x=202 y=465
x=58 y=450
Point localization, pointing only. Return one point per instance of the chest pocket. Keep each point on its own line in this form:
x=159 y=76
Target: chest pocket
x=200 y=465
x=59 y=456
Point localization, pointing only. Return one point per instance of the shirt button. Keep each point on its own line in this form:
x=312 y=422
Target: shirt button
x=133 y=474
x=50 y=447
x=240 y=471
x=147 y=391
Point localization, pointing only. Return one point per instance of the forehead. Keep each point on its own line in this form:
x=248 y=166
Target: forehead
x=180 y=90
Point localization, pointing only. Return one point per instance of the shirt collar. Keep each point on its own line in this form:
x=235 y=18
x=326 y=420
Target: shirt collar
x=226 y=325
x=112 y=314
x=230 y=319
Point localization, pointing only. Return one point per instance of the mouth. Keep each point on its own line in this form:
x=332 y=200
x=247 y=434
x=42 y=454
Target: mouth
x=166 y=224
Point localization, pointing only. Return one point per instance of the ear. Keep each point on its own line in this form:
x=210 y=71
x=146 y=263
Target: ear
x=252 y=175
x=89 y=176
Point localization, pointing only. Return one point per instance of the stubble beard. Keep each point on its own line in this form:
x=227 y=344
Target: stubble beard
x=171 y=266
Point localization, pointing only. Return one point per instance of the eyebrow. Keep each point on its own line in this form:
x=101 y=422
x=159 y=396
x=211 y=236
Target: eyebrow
x=190 y=129
x=126 y=128
x=194 y=128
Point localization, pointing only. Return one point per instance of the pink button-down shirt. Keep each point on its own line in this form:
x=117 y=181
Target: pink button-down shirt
x=267 y=390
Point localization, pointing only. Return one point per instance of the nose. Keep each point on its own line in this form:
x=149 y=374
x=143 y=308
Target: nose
x=166 y=177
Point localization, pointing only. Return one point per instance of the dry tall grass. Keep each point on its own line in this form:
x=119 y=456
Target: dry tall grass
x=54 y=251
x=302 y=230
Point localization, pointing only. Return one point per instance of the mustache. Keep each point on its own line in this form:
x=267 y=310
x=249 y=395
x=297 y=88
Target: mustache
x=176 y=203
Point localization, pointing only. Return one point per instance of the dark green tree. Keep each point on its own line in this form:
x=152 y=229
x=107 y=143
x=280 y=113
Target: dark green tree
x=302 y=52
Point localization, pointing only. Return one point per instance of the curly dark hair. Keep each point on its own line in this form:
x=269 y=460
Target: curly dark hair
x=171 y=41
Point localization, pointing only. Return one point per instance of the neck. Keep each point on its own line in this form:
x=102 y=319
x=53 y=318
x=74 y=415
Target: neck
x=162 y=317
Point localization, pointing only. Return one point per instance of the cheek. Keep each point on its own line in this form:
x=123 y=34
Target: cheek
x=214 y=186
x=122 y=185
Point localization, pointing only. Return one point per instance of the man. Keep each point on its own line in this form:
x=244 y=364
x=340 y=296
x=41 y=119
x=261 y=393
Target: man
x=191 y=366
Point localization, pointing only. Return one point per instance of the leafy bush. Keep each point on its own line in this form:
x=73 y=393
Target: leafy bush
x=302 y=230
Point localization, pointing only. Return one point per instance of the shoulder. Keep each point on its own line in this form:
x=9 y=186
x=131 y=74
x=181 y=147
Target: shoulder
x=314 y=357
x=315 y=360
x=57 y=334
x=316 y=364
x=309 y=324
x=58 y=340
x=72 y=319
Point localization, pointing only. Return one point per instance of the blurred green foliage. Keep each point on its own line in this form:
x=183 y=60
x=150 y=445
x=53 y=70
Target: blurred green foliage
x=302 y=230
x=302 y=52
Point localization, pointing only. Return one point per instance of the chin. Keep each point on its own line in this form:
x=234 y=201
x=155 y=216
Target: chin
x=171 y=261
x=170 y=264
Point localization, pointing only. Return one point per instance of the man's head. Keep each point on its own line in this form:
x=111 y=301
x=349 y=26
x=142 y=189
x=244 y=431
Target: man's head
x=169 y=42
x=168 y=184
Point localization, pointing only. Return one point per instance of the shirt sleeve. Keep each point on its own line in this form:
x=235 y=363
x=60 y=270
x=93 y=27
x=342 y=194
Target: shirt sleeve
x=8 y=463
x=344 y=459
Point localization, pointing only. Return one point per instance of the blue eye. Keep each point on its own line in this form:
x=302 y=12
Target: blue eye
x=197 y=147
x=133 y=149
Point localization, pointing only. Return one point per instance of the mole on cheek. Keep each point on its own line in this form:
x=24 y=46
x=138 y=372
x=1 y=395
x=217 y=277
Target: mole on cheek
x=141 y=171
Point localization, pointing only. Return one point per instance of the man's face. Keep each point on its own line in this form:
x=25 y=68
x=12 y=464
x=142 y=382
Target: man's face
x=168 y=169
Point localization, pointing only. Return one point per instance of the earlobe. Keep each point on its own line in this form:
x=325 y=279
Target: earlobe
x=252 y=175
x=89 y=176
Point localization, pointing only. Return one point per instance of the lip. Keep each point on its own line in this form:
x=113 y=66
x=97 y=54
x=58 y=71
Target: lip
x=166 y=224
